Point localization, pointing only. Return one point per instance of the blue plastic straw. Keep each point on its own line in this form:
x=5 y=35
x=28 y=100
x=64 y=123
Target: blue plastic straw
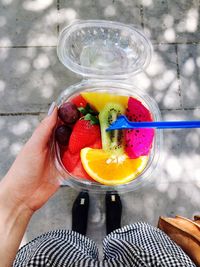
x=123 y=123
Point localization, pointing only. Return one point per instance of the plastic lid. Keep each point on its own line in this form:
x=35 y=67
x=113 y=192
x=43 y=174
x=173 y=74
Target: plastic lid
x=103 y=49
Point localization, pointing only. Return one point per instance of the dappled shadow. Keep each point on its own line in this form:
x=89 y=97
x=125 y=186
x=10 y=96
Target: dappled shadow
x=31 y=77
x=14 y=131
x=172 y=21
x=32 y=23
x=170 y=199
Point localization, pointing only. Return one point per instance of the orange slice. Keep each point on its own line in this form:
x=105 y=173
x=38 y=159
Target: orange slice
x=109 y=168
x=99 y=100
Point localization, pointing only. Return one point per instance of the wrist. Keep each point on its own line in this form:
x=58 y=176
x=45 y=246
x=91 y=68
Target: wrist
x=11 y=210
x=14 y=218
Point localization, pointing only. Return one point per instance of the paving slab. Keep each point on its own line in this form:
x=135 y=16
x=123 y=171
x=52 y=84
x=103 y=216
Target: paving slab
x=160 y=79
x=94 y=9
x=189 y=63
x=180 y=159
x=172 y=21
x=14 y=132
x=32 y=23
x=150 y=202
x=31 y=78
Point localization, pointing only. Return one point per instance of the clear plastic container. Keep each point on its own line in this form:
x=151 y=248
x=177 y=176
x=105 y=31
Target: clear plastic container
x=106 y=54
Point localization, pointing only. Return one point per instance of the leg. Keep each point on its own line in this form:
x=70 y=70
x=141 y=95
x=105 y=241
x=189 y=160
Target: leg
x=57 y=248
x=141 y=244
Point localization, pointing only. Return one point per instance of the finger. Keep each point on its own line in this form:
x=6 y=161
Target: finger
x=43 y=132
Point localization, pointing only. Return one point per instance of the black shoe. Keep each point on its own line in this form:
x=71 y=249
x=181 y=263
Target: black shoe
x=113 y=212
x=80 y=213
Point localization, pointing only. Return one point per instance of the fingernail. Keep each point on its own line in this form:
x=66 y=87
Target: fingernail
x=51 y=109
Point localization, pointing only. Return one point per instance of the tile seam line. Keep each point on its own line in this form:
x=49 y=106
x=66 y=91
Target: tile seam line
x=21 y=114
x=178 y=77
x=58 y=15
x=176 y=43
x=142 y=15
x=43 y=112
x=179 y=109
x=58 y=5
x=54 y=46
x=31 y=46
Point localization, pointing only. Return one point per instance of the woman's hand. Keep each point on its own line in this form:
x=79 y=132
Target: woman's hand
x=29 y=183
x=32 y=178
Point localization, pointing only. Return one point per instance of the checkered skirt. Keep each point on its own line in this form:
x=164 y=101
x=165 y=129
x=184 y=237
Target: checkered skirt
x=138 y=245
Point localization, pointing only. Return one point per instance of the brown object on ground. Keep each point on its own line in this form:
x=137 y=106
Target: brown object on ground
x=185 y=233
x=197 y=218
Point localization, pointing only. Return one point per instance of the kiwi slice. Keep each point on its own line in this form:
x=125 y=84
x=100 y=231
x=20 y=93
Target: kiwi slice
x=112 y=140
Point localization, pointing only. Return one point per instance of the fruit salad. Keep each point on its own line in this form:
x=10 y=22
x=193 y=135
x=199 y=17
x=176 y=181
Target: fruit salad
x=87 y=151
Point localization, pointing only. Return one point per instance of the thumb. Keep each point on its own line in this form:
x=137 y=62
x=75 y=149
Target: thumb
x=43 y=132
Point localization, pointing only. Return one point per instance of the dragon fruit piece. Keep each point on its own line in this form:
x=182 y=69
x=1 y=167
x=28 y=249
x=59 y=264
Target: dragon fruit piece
x=136 y=111
x=138 y=142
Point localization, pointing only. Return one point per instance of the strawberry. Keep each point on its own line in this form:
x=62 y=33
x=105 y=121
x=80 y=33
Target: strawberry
x=72 y=162
x=84 y=134
x=79 y=101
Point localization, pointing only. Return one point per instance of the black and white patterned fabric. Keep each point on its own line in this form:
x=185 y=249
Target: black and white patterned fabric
x=137 y=245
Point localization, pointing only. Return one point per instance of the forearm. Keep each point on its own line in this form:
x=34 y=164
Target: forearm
x=13 y=222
